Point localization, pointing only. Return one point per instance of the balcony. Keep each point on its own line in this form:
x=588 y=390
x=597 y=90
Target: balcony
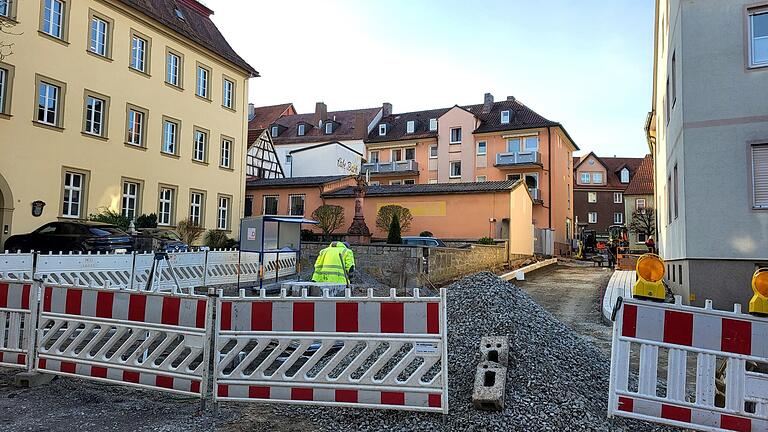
x=535 y=193
x=391 y=167
x=518 y=158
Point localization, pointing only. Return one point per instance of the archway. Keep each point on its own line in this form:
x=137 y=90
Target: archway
x=6 y=211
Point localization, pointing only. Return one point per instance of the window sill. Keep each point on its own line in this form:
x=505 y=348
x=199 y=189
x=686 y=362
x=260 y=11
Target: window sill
x=455 y=143
x=223 y=168
x=99 y=56
x=203 y=98
x=48 y=126
x=140 y=73
x=175 y=87
x=98 y=137
x=204 y=163
x=5 y=116
x=10 y=19
x=166 y=226
x=134 y=146
x=752 y=67
x=229 y=109
x=53 y=38
x=169 y=155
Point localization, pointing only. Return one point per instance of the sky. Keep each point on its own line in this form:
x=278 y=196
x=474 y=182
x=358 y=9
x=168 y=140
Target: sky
x=584 y=63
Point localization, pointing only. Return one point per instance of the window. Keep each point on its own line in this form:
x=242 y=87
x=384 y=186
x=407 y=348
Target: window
x=222 y=218
x=433 y=152
x=5 y=86
x=226 y=151
x=625 y=175
x=136 y=126
x=270 y=204
x=5 y=8
x=395 y=155
x=173 y=68
x=758 y=37
x=99 y=35
x=248 y=211
x=288 y=159
x=409 y=181
x=514 y=177
x=760 y=176
x=585 y=178
x=532 y=143
x=139 y=53
x=165 y=207
x=410 y=126
x=641 y=237
x=640 y=204
x=513 y=145
x=203 y=82
x=275 y=131
x=328 y=128
x=433 y=124
x=668 y=191
x=300 y=130
x=592 y=217
x=482 y=148
x=382 y=129
x=455 y=169
x=597 y=178
x=130 y=199
x=296 y=205
x=196 y=204
x=373 y=183
x=228 y=96
x=455 y=135
x=170 y=136
x=676 y=190
x=74 y=185
x=680 y=273
x=95 y=113
x=618 y=218
x=481 y=178
x=618 y=198
x=410 y=154
x=395 y=182
x=505 y=117
x=673 y=96
x=592 y=197
x=53 y=18
x=48 y=105
x=199 y=149
x=373 y=156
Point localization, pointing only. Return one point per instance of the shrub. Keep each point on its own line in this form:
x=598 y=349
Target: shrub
x=146 y=221
x=330 y=218
x=426 y=234
x=394 y=232
x=189 y=232
x=387 y=213
x=486 y=241
x=308 y=235
x=111 y=217
x=217 y=239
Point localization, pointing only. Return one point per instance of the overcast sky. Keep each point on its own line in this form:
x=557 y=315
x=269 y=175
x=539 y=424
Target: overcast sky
x=584 y=63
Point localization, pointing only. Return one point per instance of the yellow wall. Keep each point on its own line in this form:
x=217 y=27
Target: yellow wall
x=33 y=156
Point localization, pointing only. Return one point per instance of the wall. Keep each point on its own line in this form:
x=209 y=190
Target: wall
x=445 y=264
x=605 y=208
x=421 y=150
x=283 y=149
x=332 y=159
x=630 y=205
x=312 y=199
x=34 y=172
x=520 y=225
x=464 y=152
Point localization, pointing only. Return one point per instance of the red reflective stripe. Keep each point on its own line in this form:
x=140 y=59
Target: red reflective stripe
x=392 y=318
x=171 y=306
x=261 y=316
x=349 y=396
x=164 y=381
x=132 y=377
x=67 y=367
x=433 y=318
x=629 y=322
x=200 y=321
x=21 y=359
x=301 y=394
x=74 y=299
x=223 y=390
x=303 y=316
x=4 y=295
x=25 y=290
x=226 y=315
x=678 y=328
x=137 y=305
x=47 y=296
x=104 y=304
x=737 y=336
x=393 y=398
x=676 y=413
x=98 y=372
x=739 y=424
x=346 y=317
x=626 y=404
x=258 y=392
x=435 y=401
x=41 y=363
x=1 y=356
x=194 y=386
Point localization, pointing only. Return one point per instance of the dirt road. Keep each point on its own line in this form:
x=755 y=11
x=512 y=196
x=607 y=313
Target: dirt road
x=573 y=295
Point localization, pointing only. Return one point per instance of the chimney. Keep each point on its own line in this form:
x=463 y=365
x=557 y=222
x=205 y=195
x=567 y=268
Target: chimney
x=511 y=98
x=361 y=126
x=251 y=111
x=487 y=103
x=321 y=112
x=386 y=109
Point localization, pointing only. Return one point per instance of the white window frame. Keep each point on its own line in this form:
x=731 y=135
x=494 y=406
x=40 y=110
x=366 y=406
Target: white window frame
x=641 y=238
x=165 y=206
x=198 y=150
x=136 y=122
x=618 y=218
x=202 y=78
x=170 y=137
x=172 y=68
x=290 y=204
x=759 y=179
x=395 y=182
x=513 y=145
x=505 y=117
x=52 y=94
x=274 y=131
x=451 y=166
x=586 y=178
x=301 y=129
x=528 y=139
x=618 y=197
x=514 y=177
x=433 y=124
x=130 y=199
x=222 y=213
x=481 y=178
x=382 y=129
x=92 y=126
x=432 y=181
x=591 y=197
x=70 y=189
x=590 y=219
x=452 y=141
x=228 y=96
x=3 y=88
x=139 y=53
x=484 y=146
x=196 y=208
x=532 y=175
x=409 y=182
x=640 y=204
x=624 y=175
x=98 y=36
x=328 y=128
x=396 y=154
x=409 y=150
x=430 y=152
x=373 y=156
x=752 y=38
x=264 y=204
x=597 y=177
x=410 y=126
x=226 y=153
x=53 y=22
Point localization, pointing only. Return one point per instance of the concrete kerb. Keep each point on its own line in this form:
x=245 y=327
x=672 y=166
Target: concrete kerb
x=519 y=274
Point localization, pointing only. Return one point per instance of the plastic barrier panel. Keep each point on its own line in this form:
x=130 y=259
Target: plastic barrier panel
x=366 y=351
x=657 y=347
x=222 y=267
x=16 y=267
x=188 y=269
x=134 y=338
x=113 y=270
x=16 y=323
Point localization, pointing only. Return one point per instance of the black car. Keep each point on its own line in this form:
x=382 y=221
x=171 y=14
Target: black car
x=72 y=236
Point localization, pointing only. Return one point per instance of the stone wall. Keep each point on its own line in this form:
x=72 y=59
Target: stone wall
x=446 y=264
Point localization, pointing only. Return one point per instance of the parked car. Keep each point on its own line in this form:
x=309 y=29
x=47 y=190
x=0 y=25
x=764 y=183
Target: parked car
x=423 y=241
x=166 y=240
x=72 y=236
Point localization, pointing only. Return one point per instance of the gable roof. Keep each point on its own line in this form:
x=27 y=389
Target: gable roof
x=196 y=26
x=397 y=125
x=642 y=182
x=266 y=115
x=294 y=181
x=429 y=189
x=299 y=150
x=347 y=126
x=613 y=166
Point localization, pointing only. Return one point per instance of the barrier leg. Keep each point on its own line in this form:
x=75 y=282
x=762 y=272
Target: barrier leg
x=209 y=353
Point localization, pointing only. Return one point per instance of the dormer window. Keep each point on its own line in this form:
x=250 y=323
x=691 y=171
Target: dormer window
x=410 y=126
x=300 y=130
x=275 y=131
x=329 y=128
x=625 y=175
x=505 y=117
x=382 y=129
x=433 y=124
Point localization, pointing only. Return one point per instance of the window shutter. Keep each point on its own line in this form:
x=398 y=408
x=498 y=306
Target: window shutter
x=760 y=175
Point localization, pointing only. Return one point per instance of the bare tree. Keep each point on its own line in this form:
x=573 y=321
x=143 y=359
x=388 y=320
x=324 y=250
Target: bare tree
x=643 y=221
x=6 y=30
x=329 y=218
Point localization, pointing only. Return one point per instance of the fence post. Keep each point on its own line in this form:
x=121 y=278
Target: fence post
x=209 y=351
x=34 y=323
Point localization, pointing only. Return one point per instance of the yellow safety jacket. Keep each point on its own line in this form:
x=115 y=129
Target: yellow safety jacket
x=332 y=262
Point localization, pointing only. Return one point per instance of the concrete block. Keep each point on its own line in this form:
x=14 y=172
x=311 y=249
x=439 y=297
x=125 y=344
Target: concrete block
x=32 y=379
x=490 y=383
x=495 y=349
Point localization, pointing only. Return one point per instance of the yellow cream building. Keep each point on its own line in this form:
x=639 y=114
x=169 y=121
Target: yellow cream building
x=139 y=106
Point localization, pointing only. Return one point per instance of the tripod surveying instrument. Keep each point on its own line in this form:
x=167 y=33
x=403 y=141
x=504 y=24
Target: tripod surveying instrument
x=154 y=271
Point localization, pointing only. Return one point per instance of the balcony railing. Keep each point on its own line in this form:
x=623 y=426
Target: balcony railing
x=391 y=167
x=518 y=158
x=535 y=193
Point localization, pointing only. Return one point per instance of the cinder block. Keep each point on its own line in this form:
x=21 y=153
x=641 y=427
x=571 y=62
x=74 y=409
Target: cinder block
x=32 y=379
x=490 y=383
x=495 y=349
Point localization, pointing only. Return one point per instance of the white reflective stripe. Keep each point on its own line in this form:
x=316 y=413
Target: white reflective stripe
x=371 y=397
x=58 y=299
x=325 y=316
x=760 y=338
x=282 y=316
x=324 y=394
x=650 y=323
x=369 y=317
x=280 y=393
x=417 y=399
x=415 y=317
x=705 y=418
x=88 y=303
x=707 y=331
x=237 y=391
x=188 y=312
x=14 y=295
x=241 y=316
x=153 y=311
x=120 y=304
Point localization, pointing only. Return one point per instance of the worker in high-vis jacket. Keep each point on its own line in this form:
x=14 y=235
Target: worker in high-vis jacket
x=334 y=264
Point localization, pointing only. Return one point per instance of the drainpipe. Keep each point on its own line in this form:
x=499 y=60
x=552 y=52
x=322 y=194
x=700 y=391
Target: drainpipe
x=549 y=166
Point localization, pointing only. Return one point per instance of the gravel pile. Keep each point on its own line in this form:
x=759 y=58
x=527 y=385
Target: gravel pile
x=557 y=380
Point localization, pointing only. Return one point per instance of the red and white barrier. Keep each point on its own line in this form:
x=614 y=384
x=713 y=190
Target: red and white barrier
x=15 y=323
x=711 y=338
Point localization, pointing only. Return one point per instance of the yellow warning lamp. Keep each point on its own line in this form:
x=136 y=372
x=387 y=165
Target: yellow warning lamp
x=650 y=272
x=759 y=303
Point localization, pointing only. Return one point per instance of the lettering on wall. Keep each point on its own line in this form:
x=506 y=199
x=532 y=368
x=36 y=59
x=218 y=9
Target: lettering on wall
x=349 y=166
